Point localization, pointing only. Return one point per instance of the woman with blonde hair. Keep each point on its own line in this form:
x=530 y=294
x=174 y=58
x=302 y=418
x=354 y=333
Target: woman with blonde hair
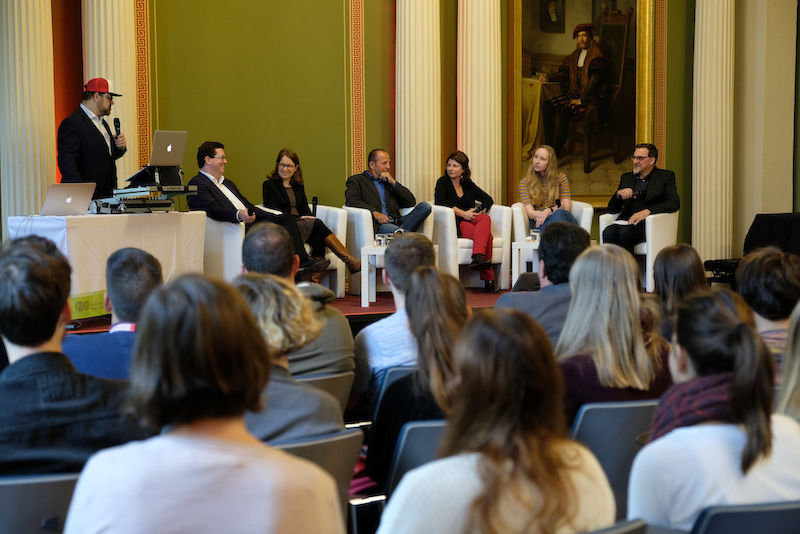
x=544 y=191
x=507 y=466
x=789 y=393
x=437 y=310
x=603 y=348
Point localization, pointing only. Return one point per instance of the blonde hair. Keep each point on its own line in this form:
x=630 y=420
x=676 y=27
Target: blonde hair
x=604 y=318
x=789 y=393
x=281 y=311
x=543 y=188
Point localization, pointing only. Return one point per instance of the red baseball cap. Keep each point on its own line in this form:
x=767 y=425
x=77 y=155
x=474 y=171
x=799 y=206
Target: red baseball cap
x=101 y=85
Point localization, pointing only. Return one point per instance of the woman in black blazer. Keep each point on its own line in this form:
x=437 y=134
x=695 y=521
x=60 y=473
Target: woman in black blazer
x=283 y=190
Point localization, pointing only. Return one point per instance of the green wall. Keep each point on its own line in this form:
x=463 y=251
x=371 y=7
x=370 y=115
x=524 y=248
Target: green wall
x=379 y=78
x=257 y=76
x=680 y=50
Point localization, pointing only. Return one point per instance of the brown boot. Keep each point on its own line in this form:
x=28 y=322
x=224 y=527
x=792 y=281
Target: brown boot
x=333 y=243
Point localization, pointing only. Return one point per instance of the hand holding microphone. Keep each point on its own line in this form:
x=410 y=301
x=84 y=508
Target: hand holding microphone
x=119 y=138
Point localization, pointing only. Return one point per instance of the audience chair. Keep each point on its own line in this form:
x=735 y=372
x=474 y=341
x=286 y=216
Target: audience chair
x=768 y=518
x=360 y=234
x=417 y=444
x=335 y=453
x=222 y=253
x=35 y=503
x=337 y=384
x=583 y=212
x=392 y=375
x=661 y=230
x=456 y=252
x=612 y=431
x=634 y=526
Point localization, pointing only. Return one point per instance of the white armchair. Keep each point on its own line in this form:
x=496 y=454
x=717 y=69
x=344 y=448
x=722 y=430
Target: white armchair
x=582 y=211
x=360 y=233
x=222 y=253
x=661 y=230
x=455 y=251
x=336 y=221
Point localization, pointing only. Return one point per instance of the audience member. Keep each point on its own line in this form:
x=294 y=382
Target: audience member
x=714 y=440
x=471 y=205
x=677 y=272
x=389 y=342
x=376 y=190
x=131 y=274
x=53 y=418
x=284 y=190
x=769 y=281
x=293 y=409
x=602 y=348
x=789 y=393
x=437 y=310
x=267 y=249
x=646 y=191
x=199 y=363
x=544 y=191
x=219 y=197
x=561 y=244
x=508 y=465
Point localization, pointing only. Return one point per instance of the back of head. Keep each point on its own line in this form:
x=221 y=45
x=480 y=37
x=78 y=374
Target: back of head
x=404 y=254
x=561 y=244
x=198 y=354
x=716 y=329
x=789 y=395
x=283 y=314
x=267 y=248
x=507 y=405
x=437 y=310
x=677 y=272
x=34 y=288
x=604 y=317
x=131 y=274
x=769 y=281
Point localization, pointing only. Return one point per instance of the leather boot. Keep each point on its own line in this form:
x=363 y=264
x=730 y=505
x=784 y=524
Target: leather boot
x=333 y=243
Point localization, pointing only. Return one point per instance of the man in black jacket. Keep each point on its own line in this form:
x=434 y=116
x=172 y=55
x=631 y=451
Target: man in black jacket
x=645 y=191
x=86 y=147
x=221 y=200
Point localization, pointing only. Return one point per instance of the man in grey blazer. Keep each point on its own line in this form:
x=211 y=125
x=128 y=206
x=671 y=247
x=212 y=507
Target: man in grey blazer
x=562 y=243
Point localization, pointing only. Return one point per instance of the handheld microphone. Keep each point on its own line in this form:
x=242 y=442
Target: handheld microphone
x=314 y=202
x=117 y=126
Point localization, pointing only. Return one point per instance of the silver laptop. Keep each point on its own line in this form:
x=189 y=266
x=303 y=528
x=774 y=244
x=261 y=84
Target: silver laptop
x=168 y=147
x=68 y=199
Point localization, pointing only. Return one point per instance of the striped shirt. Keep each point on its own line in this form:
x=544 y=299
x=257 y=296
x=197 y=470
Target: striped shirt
x=563 y=192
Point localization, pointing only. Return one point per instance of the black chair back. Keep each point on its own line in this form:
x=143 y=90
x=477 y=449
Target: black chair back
x=35 y=503
x=417 y=444
x=769 y=518
x=392 y=375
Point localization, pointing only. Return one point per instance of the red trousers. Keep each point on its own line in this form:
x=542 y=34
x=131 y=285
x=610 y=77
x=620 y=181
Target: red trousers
x=479 y=229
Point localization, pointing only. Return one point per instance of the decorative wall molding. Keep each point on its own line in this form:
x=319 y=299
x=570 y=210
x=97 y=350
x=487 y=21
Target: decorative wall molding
x=660 y=139
x=142 y=34
x=356 y=42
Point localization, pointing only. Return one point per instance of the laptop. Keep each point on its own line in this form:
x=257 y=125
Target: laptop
x=167 y=149
x=68 y=199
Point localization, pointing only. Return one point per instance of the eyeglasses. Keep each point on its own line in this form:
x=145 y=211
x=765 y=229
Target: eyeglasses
x=286 y=165
x=222 y=157
x=639 y=158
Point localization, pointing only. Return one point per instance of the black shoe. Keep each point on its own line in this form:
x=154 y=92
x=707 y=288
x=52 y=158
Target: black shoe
x=489 y=286
x=314 y=265
x=477 y=261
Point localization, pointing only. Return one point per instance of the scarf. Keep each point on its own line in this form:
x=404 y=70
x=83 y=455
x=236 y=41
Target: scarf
x=696 y=401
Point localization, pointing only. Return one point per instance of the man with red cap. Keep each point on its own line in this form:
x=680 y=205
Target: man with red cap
x=583 y=76
x=87 y=147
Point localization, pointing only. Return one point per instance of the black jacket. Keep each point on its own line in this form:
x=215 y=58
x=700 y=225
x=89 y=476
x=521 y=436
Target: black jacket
x=661 y=197
x=362 y=193
x=214 y=202
x=275 y=197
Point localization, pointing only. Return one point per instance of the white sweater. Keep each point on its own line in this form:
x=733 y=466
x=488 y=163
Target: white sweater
x=691 y=468
x=437 y=497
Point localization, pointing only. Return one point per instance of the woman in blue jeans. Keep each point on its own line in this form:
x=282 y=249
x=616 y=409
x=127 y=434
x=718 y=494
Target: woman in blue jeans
x=544 y=191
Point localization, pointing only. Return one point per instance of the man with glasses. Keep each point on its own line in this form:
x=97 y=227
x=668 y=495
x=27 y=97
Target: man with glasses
x=645 y=191
x=86 y=146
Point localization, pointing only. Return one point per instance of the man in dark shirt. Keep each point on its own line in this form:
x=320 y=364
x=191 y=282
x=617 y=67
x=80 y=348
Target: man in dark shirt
x=645 y=191
x=53 y=417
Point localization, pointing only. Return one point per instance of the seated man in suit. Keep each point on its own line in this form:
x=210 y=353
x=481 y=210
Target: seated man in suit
x=645 y=191
x=131 y=274
x=221 y=200
x=376 y=190
x=53 y=418
x=561 y=244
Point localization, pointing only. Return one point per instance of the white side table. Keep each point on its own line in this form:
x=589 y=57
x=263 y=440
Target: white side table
x=369 y=268
x=517 y=262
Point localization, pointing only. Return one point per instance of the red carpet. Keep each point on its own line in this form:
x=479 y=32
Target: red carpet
x=350 y=305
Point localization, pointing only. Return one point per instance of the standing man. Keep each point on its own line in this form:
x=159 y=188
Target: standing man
x=645 y=191
x=377 y=191
x=86 y=146
x=583 y=76
x=221 y=200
